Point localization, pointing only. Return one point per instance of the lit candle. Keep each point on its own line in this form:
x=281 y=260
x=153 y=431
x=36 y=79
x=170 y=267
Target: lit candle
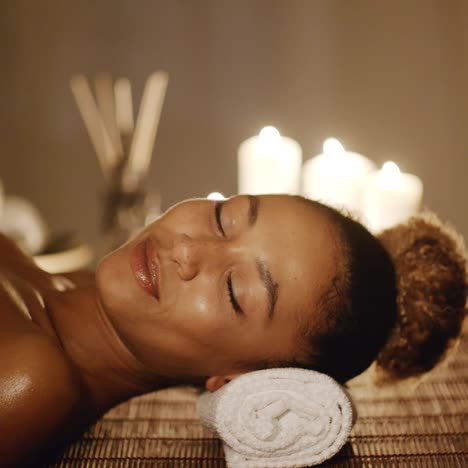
x=336 y=177
x=390 y=197
x=269 y=163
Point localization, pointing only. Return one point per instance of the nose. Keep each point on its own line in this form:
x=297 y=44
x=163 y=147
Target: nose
x=187 y=253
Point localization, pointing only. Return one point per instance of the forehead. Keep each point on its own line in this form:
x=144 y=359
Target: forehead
x=301 y=254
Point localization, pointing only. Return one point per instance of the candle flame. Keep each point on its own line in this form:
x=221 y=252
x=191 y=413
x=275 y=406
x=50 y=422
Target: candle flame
x=333 y=147
x=269 y=135
x=390 y=173
x=216 y=196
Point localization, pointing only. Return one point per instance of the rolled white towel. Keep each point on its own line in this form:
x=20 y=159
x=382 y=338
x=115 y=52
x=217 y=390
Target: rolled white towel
x=278 y=418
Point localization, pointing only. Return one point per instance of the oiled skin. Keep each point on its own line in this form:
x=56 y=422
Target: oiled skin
x=43 y=400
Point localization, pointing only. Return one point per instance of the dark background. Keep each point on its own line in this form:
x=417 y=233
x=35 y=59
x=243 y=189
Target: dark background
x=388 y=78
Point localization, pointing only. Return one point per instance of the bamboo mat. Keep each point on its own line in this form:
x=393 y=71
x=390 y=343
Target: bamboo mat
x=396 y=427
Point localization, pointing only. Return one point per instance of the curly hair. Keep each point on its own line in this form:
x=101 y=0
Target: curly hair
x=398 y=300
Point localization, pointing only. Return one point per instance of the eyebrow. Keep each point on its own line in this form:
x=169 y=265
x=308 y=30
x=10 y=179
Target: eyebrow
x=270 y=285
x=253 y=210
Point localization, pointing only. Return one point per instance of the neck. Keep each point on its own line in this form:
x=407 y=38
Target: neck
x=110 y=372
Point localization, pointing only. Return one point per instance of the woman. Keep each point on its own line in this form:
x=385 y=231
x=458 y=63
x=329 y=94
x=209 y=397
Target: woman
x=211 y=290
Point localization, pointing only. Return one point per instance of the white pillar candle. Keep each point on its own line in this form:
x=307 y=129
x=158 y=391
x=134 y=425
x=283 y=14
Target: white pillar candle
x=269 y=163
x=336 y=177
x=390 y=197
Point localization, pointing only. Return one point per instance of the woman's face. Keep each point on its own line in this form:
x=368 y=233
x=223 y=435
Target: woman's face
x=211 y=284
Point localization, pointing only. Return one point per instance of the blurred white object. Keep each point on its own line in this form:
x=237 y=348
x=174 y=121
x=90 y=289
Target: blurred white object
x=337 y=177
x=269 y=163
x=20 y=220
x=216 y=196
x=391 y=197
x=72 y=259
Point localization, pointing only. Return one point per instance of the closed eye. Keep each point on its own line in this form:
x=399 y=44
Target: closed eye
x=232 y=297
x=218 y=207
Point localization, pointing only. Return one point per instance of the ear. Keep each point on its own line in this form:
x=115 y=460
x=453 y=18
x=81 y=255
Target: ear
x=217 y=381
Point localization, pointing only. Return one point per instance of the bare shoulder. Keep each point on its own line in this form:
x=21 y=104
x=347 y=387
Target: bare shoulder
x=39 y=393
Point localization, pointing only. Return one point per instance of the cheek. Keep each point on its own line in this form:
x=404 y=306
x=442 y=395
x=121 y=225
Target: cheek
x=195 y=317
x=194 y=306
x=186 y=336
x=203 y=306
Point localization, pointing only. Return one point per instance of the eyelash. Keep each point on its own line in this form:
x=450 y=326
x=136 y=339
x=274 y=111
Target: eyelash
x=232 y=298
x=218 y=207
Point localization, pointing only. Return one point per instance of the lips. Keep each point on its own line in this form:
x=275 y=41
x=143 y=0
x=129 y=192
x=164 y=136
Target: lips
x=145 y=267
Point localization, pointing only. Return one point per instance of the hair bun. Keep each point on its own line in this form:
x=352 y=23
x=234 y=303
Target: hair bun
x=431 y=274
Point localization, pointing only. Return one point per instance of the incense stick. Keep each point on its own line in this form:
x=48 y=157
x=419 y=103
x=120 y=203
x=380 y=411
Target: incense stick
x=93 y=122
x=105 y=101
x=147 y=125
x=123 y=106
